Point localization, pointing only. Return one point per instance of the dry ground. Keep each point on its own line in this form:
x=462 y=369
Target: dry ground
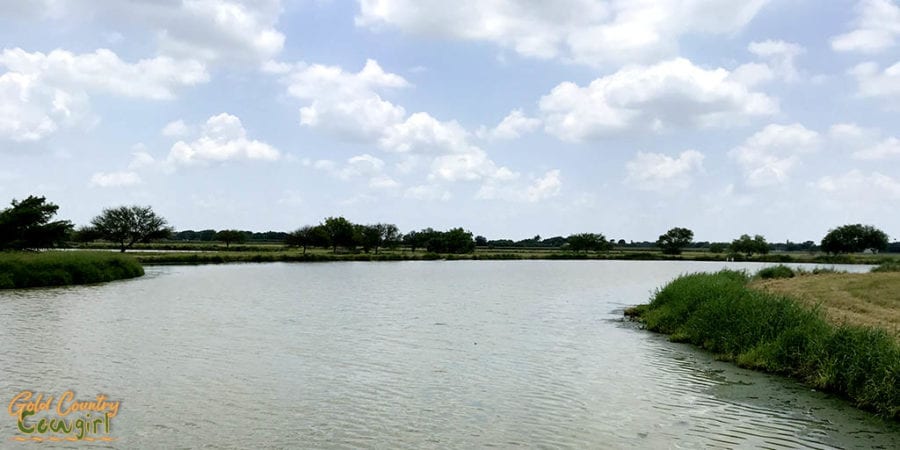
x=871 y=299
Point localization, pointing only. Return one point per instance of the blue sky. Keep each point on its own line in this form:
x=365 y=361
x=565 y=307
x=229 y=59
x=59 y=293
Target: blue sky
x=509 y=118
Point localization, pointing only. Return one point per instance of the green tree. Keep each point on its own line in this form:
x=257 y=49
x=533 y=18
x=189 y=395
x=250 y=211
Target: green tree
x=413 y=240
x=229 y=236
x=340 y=232
x=674 y=240
x=481 y=241
x=585 y=242
x=458 y=240
x=717 y=247
x=390 y=235
x=127 y=225
x=854 y=238
x=26 y=225
x=748 y=246
x=307 y=236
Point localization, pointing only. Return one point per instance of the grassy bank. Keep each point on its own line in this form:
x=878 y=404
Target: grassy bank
x=769 y=331
x=23 y=270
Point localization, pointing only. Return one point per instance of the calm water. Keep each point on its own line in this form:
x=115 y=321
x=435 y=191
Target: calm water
x=401 y=355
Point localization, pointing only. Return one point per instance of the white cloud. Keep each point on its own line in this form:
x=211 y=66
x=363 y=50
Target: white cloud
x=383 y=182
x=356 y=166
x=585 y=31
x=223 y=138
x=513 y=126
x=208 y=30
x=421 y=133
x=346 y=104
x=141 y=159
x=42 y=93
x=673 y=93
x=769 y=156
x=468 y=166
x=115 y=179
x=780 y=56
x=427 y=192
x=877 y=28
x=854 y=186
x=887 y=148
x=540 y=188
x=873 y=82
x=175 y=129
x=104 y=72
x=659 y=172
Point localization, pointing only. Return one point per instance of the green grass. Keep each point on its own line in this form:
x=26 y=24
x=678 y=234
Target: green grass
x=778 y=334
x=24 y=270
x=888 y=266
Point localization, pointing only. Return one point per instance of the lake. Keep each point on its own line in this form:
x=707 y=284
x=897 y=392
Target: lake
x=437 y=354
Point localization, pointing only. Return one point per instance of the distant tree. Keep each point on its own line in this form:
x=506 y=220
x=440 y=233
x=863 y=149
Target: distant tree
x=369 y=236
x=674 y=240
x=307 y=236
x=390 y=235
x=340 y=232
x=717 y=247
x=854 y=238
x=26 y=225
x=84 y=234
x=229 y=236
x=481 y=241
x=459 y=240
x=748 y=246
x=206 y=235
x=585 y=242
x=555 y=241
x=127 y=225
x=412 y=240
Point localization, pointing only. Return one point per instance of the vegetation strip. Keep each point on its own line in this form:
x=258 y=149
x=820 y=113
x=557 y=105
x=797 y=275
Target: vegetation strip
x=766 y=331
x=31 y=269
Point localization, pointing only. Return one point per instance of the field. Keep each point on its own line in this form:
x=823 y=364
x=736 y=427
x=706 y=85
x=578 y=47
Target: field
x=23 y=270
x=857 y=299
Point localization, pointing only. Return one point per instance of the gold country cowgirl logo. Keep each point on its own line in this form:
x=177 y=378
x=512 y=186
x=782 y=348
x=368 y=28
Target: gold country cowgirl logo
x=41 y=417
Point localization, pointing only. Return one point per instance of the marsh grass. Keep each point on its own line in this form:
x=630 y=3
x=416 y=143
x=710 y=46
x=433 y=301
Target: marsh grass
x=776 y=333
x=23 y=270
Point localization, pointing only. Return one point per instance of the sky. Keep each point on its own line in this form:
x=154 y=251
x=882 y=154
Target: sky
x=510 y=118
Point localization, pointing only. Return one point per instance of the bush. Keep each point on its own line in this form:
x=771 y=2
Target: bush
x=779 y=271
x=887 y=266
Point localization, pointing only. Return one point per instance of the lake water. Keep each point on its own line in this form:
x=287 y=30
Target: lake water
x=464 y=354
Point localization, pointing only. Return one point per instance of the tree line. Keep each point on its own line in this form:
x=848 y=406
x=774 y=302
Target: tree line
x=28 y=224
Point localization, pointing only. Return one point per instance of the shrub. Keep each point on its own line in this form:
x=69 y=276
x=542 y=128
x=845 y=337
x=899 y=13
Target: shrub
x=779 y=271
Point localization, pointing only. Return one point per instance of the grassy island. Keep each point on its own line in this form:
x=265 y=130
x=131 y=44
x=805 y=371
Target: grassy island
x=834 y=332
x=35 y=269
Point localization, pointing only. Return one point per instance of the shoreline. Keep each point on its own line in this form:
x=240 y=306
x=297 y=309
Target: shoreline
x=754 y=328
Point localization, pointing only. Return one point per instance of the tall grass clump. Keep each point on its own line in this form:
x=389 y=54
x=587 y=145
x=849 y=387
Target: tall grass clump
x=778 y=334
x=24 y=270
x=779 y=271
x=887 y=266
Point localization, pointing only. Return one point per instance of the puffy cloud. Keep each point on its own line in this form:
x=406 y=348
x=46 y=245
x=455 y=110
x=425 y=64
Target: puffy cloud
x=540 y=188
x=42 y=93
x=427 y=192
x=208 y=30
x=346 y=104
x=364 y=165
x=780 y=56
x=769 y=156
x=586 y=31
x=854 y=185
x=103 y=71
x=877 y=27
x=887 y=148
x=513 y=126
x=471 y=165
x=673 y=93
x=115 y=179
x=659 y=172
x=175 y=129
x=421 y=133
x=873 y=82
x=223 y=138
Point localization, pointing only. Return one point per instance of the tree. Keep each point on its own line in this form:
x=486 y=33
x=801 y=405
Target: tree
x=307 y=236
x=390 y=235
x=340 y=233
x=127 y=225
x=717 y=247
x=854 y=238
x=229 y=236
x=585 y=242
x=458 y=240
x=748 y=246
x=481 y=241
x=674 y=240
x=27 y=225
x=412 y=240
